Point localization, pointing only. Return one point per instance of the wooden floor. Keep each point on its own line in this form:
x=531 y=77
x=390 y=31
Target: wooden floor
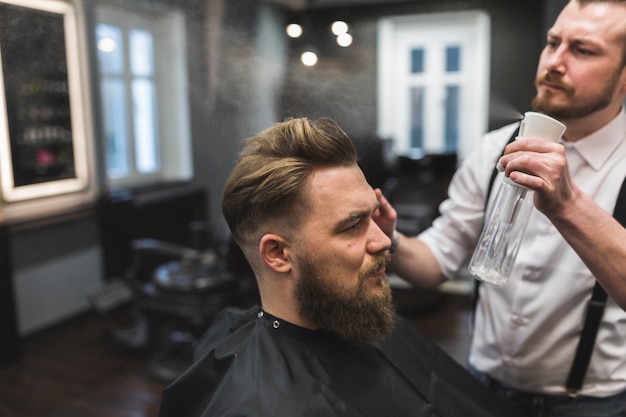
x=76 y=370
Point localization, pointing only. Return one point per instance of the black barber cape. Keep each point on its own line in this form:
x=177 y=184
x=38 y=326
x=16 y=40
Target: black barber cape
x=252 y=364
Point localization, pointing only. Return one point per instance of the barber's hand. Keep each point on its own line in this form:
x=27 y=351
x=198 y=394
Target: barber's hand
x=542 y=167
x=385 y=216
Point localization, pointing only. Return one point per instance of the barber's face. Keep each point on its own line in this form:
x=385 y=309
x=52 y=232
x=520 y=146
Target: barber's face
x=342 y=253
x=580 y=70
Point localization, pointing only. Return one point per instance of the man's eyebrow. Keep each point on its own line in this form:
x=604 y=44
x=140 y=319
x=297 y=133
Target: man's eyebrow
x=356 y=215
x=351 y=217
x=553 y=33
x=576 y=41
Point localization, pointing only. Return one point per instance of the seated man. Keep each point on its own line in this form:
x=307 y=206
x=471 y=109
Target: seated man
x=326 y=340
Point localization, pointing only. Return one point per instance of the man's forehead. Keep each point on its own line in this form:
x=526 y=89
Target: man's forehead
x=326 y=180
x=592 y=21
x=341 y=190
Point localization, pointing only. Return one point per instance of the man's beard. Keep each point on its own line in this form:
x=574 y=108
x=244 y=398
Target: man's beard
x=572 y=109
x=356 y=317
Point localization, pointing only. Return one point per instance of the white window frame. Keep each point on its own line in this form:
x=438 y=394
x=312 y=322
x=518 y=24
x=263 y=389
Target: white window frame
x=172 y=103
x=397 y=35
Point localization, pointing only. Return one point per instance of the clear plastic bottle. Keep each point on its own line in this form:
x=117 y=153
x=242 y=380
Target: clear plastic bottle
x=501 y=237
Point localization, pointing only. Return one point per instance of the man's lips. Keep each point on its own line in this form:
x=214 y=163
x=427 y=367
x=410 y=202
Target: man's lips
x=551 y=86
x=554 y=85
x=376 y=274
x=379 y=272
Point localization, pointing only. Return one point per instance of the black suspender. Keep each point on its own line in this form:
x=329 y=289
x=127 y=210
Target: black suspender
x=595 y=311
x=595 y=307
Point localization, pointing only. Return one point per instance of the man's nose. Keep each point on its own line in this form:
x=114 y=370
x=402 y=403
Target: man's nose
x=378 y=241
x=555 y=61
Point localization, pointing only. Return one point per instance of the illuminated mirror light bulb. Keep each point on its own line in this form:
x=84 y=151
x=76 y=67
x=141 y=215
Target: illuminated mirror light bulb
x=339 y=27
x=344 y=40
x=294 y=30
x=308 y=58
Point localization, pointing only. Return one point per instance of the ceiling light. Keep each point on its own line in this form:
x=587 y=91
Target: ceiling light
x=339 y=27
x=344 y=40
x=308 y=58
x=294 y=30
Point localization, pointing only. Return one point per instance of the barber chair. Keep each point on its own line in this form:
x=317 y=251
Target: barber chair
x=165 y=302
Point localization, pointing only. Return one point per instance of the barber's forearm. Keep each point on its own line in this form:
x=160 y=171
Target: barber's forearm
x=414 y=262
x=599 y=240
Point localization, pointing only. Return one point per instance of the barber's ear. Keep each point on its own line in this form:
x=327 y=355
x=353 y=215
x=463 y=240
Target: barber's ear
x=274 y=251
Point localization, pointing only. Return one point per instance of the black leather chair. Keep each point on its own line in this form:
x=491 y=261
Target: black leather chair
x=165 y=301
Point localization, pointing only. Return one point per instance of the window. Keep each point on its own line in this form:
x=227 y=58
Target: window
x=143 y=89
x=433 y=81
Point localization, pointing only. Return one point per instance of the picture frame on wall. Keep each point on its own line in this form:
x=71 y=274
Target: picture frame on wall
x=43 y=140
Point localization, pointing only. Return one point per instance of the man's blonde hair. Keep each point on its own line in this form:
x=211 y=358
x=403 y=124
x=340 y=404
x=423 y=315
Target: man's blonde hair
x=268 y=180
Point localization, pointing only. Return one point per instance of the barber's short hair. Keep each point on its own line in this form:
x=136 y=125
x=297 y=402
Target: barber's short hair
x=268 y=180
x=583 y=2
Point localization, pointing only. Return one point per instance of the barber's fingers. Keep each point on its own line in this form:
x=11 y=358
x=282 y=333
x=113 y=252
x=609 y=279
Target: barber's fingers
x=528 y=146
x=385 y=216
x=529 y=155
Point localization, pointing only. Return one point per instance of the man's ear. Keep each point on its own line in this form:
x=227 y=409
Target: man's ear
x=274 y=252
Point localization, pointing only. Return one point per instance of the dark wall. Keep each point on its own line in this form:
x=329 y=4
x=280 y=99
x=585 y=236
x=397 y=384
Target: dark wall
x=343 y=84
x=245 y=54
x=9 y=345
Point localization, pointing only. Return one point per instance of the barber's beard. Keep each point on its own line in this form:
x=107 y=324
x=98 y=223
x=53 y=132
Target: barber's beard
x=572 y=109
x=359 y=317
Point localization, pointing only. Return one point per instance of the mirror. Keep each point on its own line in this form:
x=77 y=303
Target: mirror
x=42 y=137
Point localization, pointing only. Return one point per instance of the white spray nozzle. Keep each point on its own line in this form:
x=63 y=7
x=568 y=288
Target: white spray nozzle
x=539 y=126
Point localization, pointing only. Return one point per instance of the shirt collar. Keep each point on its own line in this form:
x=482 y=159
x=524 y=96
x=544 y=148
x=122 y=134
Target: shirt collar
x=293 y=331
x=596 y=148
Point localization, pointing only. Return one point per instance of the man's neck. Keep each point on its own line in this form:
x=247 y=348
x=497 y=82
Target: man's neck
x=583 y=127
x=287 y=312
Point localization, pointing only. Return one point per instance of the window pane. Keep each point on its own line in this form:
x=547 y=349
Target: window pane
x=417 y=117
x=452 y=117
x=110 y=49
x=453 y=58
x=144 y=106
x=141 y=55
x=417 y=60
x=114 y=113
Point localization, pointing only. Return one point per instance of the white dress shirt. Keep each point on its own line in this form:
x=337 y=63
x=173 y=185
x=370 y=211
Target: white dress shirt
x=526 y=332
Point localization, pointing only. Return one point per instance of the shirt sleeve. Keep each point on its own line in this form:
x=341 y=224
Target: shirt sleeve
x=453 y=235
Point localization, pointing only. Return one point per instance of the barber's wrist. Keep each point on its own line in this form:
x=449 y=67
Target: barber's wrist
x=395 y=241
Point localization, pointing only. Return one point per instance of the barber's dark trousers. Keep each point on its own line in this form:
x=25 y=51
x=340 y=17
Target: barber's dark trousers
x=539 y=405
